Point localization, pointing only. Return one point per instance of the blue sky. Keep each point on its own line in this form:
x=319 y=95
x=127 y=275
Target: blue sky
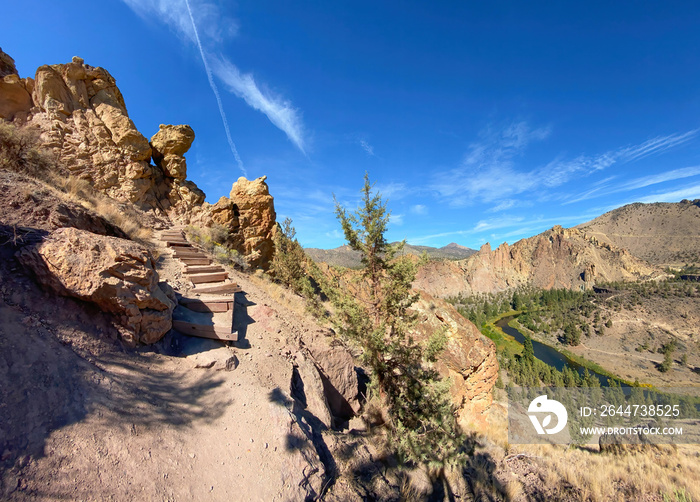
x=479 y=121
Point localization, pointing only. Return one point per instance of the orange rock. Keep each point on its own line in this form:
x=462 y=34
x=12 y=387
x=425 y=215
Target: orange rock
x=115 y=274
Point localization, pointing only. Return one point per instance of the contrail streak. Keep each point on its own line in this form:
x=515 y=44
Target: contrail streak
x=212 y=84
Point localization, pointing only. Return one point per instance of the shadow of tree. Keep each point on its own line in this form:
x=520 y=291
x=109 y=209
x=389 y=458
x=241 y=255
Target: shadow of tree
x=241 y=319
x=60 y=362
x=161 y=396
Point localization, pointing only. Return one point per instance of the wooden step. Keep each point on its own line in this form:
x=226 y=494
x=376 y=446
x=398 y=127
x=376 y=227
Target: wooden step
x=208 y=305
x=204 y=270
x=188 y=253
x=204 y=331
x=230 y=287
x=206 y=278
x=195 y=261
x=178 y=235
x=178 y=244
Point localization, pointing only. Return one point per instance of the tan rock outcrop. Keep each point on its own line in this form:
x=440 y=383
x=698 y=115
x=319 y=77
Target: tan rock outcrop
x=80 y=114
x=556 y=258
x=14 y=99
x=250 y=218
x=256 y=218
x=7 y=64
x=469 y=358
x=115 y=274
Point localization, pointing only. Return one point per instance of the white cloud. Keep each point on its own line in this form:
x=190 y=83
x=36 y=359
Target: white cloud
x=533 y=226
x=396 y=219
x=393 y=190
x=367 y=147
x=419 y=209
x=692 y=192
x=655 y=145
x=203 y=23
x=504 y=222
x=280 y=111
x=335 y=234
x=213 y=25
x=643 y=182
x=489 y=173
x=502 y=206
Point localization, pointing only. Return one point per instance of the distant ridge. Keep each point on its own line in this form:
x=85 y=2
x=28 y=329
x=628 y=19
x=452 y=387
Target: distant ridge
x=663 y=233
x=345 y=257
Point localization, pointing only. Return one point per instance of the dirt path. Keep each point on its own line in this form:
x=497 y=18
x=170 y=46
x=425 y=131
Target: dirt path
x=152 y=426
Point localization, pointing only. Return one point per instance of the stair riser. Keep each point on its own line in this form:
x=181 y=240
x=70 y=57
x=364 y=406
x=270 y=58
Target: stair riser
x=207 y=307
x=195 y=261
x=200 y=330
x=208 y=278
x=222 y=289
x=204 y=270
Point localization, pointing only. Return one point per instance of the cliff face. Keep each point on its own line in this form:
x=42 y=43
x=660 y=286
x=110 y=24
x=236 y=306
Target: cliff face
x=468 y=360
x=79 y=114
x=557 y=258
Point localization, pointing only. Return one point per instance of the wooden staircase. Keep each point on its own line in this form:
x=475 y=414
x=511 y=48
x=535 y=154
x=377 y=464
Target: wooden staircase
x=208 y=310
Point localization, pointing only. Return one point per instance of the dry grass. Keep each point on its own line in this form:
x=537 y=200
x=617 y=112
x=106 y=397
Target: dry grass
x=601 y=477
x=21 y=152
x=214 y=239
x=279 y=293
x=121 y=215
x=524 y=472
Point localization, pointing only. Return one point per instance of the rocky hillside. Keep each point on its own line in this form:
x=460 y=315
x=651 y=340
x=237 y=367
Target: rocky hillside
x=100 y=395
x=557 y=258
x=343 y=256
x=79 y=114
x=660 y=233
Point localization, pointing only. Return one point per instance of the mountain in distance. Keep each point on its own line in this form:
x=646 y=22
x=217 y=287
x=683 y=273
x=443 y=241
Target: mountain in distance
x=343 y=256
x=557 y=258
x=665 y=234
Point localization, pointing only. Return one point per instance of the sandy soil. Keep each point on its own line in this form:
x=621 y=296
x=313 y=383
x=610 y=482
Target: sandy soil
x=85 y=419
x=657 y=321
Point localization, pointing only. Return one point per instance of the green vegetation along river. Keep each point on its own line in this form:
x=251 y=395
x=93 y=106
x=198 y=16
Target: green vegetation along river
x=547 y=354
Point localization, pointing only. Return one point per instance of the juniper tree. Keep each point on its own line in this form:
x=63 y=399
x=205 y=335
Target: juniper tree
x=376 y=317
x=288 y=264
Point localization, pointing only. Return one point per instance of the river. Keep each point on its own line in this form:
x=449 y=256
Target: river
x=547 y=354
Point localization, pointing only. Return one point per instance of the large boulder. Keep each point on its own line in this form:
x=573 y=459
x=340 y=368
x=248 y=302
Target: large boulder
x=115 y=274
x=337 y=370
x=256 y=218
x=14 y=98
x=469 y=358
x=171 y=140
x=169 y=146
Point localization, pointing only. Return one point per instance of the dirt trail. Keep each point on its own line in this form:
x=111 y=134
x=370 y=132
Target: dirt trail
x=151 y=426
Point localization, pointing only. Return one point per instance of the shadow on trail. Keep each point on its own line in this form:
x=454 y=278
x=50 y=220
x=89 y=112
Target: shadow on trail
x=61 y=361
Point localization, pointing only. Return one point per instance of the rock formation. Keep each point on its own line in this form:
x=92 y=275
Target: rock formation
x=249 y=216
x=469 y=358
x=79 y=114
x=115 y=274
x=337 y=370
x=15 y=93
x=557 y=258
